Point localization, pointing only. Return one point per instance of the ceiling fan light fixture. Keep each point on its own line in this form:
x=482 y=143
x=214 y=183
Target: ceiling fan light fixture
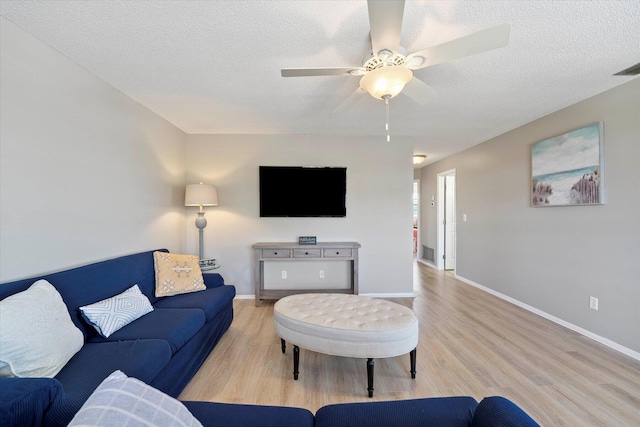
x=357 y=72
x=418 y=158
x=386 y=81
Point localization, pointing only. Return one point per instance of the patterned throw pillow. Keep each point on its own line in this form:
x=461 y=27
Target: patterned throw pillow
x=111 y=314
x=125 y=401
x=177 y=274
x=37 y=335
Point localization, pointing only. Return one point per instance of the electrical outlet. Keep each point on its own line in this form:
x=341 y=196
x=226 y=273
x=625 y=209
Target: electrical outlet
x=322 y=274
x=593 y=303
x=284 y=274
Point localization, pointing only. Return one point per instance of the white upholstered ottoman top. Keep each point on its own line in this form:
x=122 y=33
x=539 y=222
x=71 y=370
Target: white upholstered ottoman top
x=346 y=325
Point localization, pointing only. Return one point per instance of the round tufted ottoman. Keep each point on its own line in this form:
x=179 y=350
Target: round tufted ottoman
x=347 y=325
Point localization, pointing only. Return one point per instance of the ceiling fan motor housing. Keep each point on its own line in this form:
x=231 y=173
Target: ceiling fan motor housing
x=373 y=62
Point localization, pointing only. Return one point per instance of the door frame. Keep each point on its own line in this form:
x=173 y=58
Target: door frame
x=417 y=183
x=440 y=218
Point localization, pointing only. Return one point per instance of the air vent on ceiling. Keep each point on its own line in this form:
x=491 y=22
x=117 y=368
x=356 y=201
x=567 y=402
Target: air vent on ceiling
x=634 y=70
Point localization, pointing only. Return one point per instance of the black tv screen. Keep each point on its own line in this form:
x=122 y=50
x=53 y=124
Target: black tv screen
x=296 y=191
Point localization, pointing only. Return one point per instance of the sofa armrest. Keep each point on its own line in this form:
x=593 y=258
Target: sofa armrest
x=24 y=401
x=213 y=280
x=500 y=411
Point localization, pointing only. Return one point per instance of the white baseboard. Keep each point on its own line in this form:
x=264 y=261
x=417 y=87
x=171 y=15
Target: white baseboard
x=428 y=264
x=390 y=295
x=245 y=296
x=602 y=340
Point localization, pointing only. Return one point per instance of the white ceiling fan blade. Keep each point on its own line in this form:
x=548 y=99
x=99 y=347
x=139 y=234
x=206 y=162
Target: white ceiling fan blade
x=385 y=21
x=351 y=99
x=305 y=72
x=419 y=91
x=481 y=41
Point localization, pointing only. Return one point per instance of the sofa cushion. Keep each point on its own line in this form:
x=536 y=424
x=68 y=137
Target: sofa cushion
x=177 y=274
x=236 y=415
x=500 y=411
x=211 y=301
x=174 y=325
x=143 y=359
x=37 y=336
x=123 y=401
x=23 y=401
x=435 y=411
x=111 y=314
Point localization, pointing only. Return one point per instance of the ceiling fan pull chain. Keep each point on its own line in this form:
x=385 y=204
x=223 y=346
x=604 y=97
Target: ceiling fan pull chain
x=386 y=102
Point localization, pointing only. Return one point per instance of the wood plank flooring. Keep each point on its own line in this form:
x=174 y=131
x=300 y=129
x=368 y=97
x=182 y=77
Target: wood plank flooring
x=471 y=343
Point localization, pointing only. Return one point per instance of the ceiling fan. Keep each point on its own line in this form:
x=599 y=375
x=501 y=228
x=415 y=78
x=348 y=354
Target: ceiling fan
x=386 y=72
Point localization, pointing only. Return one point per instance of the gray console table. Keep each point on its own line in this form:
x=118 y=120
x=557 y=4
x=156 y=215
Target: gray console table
x=324 y=251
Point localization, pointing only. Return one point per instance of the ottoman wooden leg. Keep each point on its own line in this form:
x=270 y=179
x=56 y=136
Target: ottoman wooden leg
x=412 y=356
x=283 y=345
x=296 y=361
x=370 y=376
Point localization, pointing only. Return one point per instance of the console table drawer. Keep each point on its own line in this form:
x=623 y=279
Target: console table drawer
x=306 y=253
x=276 y=253
x=337 y=253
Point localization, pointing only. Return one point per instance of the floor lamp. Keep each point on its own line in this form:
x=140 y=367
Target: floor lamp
x=201 y=195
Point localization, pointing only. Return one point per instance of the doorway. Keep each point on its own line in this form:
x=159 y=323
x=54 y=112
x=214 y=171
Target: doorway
x=446 y=216
x=416 y=217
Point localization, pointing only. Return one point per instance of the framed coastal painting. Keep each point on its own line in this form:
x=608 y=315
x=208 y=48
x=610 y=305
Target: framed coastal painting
x=568 y=169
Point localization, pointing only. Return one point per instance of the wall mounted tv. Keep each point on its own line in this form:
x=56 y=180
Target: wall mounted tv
x=297 y=191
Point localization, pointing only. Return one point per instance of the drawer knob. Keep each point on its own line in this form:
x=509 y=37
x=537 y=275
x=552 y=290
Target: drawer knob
x=275 y=253
x=306 y=253
x=337 y=253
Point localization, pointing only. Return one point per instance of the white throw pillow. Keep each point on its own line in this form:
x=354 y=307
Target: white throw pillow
x=111 y=314
x=37 y=336
x=124 y=401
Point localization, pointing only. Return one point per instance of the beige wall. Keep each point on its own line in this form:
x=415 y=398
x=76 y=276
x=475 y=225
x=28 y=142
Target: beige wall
x=379 y=188
x=86 y=173
x=553 y=259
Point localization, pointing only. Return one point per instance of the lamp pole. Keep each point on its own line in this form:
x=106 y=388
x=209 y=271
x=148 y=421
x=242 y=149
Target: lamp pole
x=201 y=223
x=201 y=195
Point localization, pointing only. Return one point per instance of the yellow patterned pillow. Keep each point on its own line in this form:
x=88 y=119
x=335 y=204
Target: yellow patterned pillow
x=177 y=274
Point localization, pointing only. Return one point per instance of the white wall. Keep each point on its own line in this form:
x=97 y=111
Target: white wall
x=86 y=173
x=553 y=259
x=379 y=188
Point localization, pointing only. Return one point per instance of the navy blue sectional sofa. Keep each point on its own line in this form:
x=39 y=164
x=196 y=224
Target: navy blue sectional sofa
x=167 y=346
x=457 y=411
x=164 y=348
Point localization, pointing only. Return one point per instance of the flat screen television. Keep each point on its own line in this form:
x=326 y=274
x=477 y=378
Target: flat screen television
x=297 y=191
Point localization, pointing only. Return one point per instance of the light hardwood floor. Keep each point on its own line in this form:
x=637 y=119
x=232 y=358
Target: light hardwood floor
x=471 y=343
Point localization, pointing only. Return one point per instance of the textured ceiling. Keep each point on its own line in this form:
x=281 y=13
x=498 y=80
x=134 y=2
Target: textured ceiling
x=214 y=66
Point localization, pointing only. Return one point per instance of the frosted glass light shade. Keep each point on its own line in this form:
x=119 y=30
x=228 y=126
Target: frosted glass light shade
x=388 y=80
x=418 y=158
x=201 y=194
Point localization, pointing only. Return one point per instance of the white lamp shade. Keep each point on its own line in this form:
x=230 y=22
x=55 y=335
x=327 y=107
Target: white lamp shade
x=201 y=194
x=386 y=81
